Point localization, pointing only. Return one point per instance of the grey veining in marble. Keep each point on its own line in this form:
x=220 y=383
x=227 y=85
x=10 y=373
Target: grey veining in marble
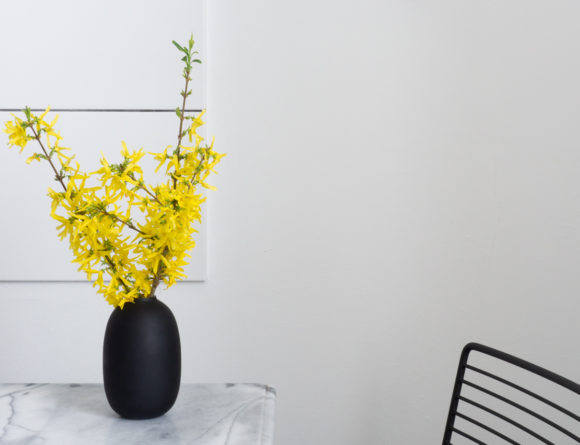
x=204 y=414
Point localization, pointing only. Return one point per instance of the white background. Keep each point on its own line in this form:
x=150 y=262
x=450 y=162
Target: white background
x=402 y=178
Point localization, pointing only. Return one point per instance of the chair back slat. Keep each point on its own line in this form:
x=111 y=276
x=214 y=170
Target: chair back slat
x=464 y=434
x=523 y=408
x=499 y=398
x=487 y=428
x=525 y=391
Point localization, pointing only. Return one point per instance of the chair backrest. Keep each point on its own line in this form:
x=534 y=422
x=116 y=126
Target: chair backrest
x=499 y=398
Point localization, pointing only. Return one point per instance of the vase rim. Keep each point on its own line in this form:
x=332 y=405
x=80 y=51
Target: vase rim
x=152 y=297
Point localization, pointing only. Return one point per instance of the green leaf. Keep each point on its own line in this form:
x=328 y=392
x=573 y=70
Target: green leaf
x=177 y=45
x=184 y=58
x=196 y=61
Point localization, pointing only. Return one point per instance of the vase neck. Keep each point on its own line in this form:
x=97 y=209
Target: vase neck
x=151 y=298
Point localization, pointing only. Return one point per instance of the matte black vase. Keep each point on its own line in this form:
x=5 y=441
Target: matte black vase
x=142 y=359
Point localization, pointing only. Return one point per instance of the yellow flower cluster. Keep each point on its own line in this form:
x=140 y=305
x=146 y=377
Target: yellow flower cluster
x=126 y=235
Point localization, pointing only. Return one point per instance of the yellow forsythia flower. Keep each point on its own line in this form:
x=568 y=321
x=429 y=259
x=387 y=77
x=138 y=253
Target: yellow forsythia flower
x=16 y=133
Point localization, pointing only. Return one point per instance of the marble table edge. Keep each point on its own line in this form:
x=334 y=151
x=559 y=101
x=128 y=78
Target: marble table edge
x=245 y=416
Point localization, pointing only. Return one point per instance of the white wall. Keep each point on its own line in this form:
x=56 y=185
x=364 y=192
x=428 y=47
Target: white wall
x=402 y=178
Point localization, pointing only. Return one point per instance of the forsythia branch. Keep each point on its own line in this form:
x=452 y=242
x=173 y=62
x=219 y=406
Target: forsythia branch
x=48 y=158
x=135 y=263
x=122 y=221
x=114 y=269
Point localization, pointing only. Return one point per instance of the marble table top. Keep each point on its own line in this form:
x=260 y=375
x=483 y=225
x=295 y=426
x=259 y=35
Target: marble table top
x=204 y=414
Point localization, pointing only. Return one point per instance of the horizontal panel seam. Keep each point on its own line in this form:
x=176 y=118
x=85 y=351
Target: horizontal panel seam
x=104 y=110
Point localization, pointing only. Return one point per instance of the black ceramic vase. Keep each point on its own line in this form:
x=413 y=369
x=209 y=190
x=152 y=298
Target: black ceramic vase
x=142 y=359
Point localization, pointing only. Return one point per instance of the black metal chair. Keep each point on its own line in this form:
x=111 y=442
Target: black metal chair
x=499 y=398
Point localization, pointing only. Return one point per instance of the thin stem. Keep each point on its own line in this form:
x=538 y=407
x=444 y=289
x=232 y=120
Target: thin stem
x=159 y=275
x=182 y=114
x=146 y=190
x=127 y=223
x=58 y=176
x=114 y=269
x=181 y=118
x=199 y=168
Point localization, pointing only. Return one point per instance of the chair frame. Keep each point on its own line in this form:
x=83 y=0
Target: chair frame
x=460 y=381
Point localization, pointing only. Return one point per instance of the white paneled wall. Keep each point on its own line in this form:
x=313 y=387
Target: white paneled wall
x=402 y=178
